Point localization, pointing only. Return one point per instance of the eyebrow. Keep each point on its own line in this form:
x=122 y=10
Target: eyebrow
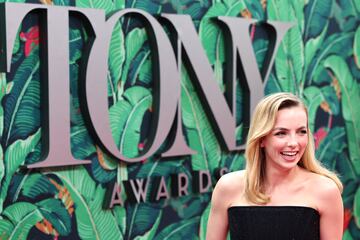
x=285 y=129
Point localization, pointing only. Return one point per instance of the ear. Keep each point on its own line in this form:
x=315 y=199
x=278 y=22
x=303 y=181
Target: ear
x=262 y=144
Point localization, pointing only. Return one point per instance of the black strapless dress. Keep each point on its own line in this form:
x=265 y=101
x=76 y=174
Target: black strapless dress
x=274 y=223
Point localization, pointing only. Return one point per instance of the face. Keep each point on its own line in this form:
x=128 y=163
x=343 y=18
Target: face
x=286 y=143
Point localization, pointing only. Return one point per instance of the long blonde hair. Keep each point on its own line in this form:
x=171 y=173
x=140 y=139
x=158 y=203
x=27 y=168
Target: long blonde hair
x=262 y=123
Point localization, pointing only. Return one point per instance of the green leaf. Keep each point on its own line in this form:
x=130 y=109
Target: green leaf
x=211 y=34
x=17 y=211
x=203 y=222
x=92 y=221
x=298 y=7
x=55 y=212
x=120 y=217
x=22 y=104
x=133 y=43
x=2 y=167
x=357 y=47
x=82 y=189
x=331 y=147
x=289 y=61
x=357 y=5
x=347 y=235
x=321 y=77
x=78 y=181
x=354 y=229
x=160 y=168
x=14 y=157
x=186 y=229
x=5 y=228
x=196 y=9
x=260 y=48
x=17 y=184
x=137 y=63
x=200 y=135
x=140 y=219
x=188 y=206
x=106 y=5
x=15 y=154
x=4 y=86
x=82 y=144
x=313 y=99
x=337 y=44
x=76 y=43
x=350 y=97
x=104 y=170
x=281 y=10
x=348 y=8
x=357 y=207
x=36 y=184
x=122 y=172
x=273 y=85
x=315 y=96
x=116 y=51
x=145 y=74
x=105 y=221
x=348 y=177
x=152 y=7
x=331 y=99
x=17 y=1
x=237 y=162
x=116 y=58
x=126 y=118
x=256 y=9
x=317 y=14
x=23 y=216
x=119 y=4
x=151 y=233
x=312 y=46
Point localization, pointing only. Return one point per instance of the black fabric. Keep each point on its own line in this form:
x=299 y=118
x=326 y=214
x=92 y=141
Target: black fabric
x=274 y=223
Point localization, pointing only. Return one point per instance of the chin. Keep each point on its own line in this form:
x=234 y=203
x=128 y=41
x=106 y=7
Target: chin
x=289 y=164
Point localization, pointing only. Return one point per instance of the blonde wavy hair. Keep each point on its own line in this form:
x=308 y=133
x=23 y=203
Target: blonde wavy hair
x=262 y=123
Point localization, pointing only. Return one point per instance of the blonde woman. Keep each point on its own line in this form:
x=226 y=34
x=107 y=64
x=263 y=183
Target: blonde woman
x=284 y=192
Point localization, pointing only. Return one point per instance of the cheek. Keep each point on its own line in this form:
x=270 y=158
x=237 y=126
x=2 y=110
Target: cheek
x=304 y=142
x=275 y=146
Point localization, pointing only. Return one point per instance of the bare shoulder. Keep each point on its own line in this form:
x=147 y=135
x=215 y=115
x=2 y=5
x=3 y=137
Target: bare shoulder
x=227 y=190
x=229 y=187
x=322 y=184
x=324 y=190
x=232 y=180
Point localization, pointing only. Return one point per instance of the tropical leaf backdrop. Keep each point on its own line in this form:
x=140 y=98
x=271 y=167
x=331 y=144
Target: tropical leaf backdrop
x=319 y=60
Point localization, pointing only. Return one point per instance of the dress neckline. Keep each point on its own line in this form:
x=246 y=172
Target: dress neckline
x=276 y=207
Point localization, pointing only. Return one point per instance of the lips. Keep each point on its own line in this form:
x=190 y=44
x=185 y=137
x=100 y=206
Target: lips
x=289 y=155
x=292 y=153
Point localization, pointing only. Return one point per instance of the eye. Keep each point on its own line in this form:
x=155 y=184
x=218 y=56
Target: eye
x=303 y=131
x=280 y=133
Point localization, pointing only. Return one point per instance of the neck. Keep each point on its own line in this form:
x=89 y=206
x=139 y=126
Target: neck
x=276 y=178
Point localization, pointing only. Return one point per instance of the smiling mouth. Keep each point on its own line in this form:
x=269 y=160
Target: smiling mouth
x=289 y=154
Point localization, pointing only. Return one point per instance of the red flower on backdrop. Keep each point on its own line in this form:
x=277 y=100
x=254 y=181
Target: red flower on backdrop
x=319 y=136
x=141 y=147
x=31 y=39
x=347 y=218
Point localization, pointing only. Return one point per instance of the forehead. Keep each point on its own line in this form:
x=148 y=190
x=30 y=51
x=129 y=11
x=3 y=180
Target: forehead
x=291 y=117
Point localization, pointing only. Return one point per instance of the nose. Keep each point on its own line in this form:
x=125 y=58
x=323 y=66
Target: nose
x=292 y=141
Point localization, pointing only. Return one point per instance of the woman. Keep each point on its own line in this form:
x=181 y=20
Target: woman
x=284 y=192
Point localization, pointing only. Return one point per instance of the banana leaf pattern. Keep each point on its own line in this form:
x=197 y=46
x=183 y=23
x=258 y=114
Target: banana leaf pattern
x=318 y=59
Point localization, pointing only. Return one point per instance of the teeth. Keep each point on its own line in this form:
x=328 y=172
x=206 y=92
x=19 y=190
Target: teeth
x=289 y=153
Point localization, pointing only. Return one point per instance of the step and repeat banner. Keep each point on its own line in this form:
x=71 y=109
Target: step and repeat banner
x=118 y=117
